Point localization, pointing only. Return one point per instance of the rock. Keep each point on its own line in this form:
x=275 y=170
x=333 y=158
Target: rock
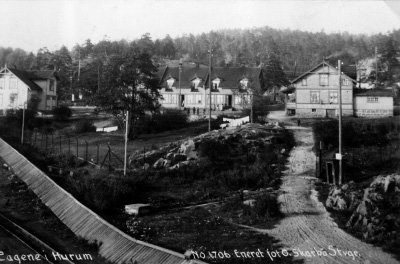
x=159 y=163
x=250 y=202
x=166 y=163
x=188 y=148
x=364 y=208
x=170 y=156
x=341 y=204
x=390 y=184
x=146 y=166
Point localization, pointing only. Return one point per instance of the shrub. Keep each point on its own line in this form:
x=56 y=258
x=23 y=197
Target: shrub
x=84 y=125
x=168 y=120
x=62 y=113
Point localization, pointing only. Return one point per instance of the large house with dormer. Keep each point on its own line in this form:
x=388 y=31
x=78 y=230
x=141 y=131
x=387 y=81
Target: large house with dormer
x=20 y=88
x=315 y=93
x=187 y=86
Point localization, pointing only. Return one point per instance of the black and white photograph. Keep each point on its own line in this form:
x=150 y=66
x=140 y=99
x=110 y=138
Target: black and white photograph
x=199 y=131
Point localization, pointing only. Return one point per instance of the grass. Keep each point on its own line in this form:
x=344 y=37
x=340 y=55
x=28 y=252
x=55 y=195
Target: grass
x=201 y=231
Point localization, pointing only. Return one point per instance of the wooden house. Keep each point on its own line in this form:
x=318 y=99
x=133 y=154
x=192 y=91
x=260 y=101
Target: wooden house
x=21 y=88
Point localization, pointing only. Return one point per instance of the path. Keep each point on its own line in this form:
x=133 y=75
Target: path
x=307 y=224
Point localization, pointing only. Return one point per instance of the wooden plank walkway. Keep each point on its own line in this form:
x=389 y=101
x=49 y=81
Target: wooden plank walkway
x=114 y=245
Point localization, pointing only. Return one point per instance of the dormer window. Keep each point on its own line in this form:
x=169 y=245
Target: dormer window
x=244 y=83
x=170 y=82
x=196 y=83
x=216 y=83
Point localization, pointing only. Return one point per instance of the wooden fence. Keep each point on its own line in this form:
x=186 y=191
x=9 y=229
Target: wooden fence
x=114 y=245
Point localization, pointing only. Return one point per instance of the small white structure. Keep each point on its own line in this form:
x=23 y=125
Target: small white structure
x=137 y=209
x=373 y=103
x=235 y=122
x=107 y=129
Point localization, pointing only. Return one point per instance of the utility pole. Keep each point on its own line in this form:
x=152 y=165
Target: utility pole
x=23 y=124
x=126 y=140
x=252 y=101
x=210 y=85
x=340 y=123
x=376 y=67
x=179 y=84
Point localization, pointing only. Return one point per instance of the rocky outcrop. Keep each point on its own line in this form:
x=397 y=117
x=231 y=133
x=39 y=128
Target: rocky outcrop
x=344 y=198
x=375 y=209
x=251 y=137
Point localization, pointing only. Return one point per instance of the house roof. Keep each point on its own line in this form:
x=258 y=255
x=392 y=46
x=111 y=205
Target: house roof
x=328 y=64
x=26 y=78
x=373 y=92
x=230 y=76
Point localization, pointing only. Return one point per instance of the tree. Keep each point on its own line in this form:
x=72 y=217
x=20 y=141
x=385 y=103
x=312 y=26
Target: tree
x=274 y=76
x=129 y=84
x=388 y=50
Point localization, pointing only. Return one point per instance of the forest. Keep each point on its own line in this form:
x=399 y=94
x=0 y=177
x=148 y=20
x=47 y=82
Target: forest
x=283 y=54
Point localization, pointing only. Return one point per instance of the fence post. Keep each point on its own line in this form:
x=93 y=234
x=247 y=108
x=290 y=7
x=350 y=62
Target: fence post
x=97 y=158
x=109 y=157
x=144 y=157
x=41 y=142
x=77 y=148
x=86 y=152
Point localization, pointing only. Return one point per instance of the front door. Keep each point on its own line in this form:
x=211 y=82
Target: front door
x=229 y=100
x=182 y=100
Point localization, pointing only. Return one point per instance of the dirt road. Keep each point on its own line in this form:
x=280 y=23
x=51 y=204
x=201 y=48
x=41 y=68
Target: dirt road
x=307 y=229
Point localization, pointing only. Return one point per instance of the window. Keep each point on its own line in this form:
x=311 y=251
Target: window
x=304 y=82
x=333 y=97
x=314 y=96
x=323 y=79
x=216 y=83
x=313 y=110
x=169 y=98
x=13 y=83
x=13 y=99
x=244 y=83
x=345 y=81
x=372 y=99
x=2 y=83
x=170 y=82
x=51 y=88
x=198 y=98
x=196 y=83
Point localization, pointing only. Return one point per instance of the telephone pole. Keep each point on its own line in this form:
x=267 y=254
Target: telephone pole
x=210 y=84
x=376 y=67
x=340 y=123
x=179 y=84
x=126 y=140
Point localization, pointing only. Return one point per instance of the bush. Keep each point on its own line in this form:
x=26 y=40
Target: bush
x=168 y=120
x=84 y=125
x=62 y=113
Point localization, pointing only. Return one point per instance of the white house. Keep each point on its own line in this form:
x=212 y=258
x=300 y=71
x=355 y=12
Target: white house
x=188 y=86
x=19 y=87
x=373 y=102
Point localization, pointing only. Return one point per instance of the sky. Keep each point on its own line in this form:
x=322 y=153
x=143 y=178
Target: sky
x=32 y=24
